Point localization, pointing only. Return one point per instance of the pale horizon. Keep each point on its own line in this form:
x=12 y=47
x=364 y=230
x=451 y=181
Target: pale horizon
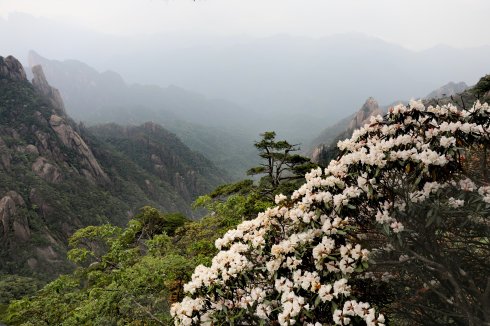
x=415 y=25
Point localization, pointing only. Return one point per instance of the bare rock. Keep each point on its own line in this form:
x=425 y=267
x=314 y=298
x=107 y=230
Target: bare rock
x=7 y=213
x=31 y=149
x=21 y=228
x=317 y=152
x=11 y=68
x=41 y=84
x=18 y=200
x=43 y=139
x=32 y=263
x=46 y=170
x=72 y=139
x=370 y=108
x=344 y=129
x=450 y=89
x=10 y=220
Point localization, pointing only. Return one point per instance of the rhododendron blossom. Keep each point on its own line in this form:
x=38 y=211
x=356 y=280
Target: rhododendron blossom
x=294 y=262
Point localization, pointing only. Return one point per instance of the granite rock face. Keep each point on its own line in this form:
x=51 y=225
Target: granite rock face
x=369 y=108
x=344 y=129
x=71 y=139
x=11 y=222
x=46 y=170
x=41 y=84
x=56 y=176
x=11 y=68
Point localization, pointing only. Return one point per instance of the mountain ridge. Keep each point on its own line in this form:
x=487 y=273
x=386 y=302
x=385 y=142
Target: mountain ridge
x=200 y=122
x=56 y=176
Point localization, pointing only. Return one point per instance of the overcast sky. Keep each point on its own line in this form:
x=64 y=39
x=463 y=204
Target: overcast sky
x=415 y=24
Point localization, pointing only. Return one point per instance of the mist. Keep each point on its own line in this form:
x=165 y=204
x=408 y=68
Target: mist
x=294 y=68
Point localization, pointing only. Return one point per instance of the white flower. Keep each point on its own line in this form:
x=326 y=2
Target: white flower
x=455 y=203
x=447 y=141
x=397 y=227
x=307 y=243
x=467 y=185
x=279 y=198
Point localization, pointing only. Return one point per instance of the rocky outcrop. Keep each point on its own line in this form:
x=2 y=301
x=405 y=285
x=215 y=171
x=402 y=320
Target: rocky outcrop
x=325 y=151
x=10 y=220
x=7 y=212
x=31 y=149
x=369 y=108
x=317 y=153
x=71 y=139
x=46 y=170
x=47 y=254
x=41 y=84
x=11 y=68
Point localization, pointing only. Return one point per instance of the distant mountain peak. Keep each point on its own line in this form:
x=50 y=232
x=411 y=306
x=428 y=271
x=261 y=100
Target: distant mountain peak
x=11 y=68
x=449 y=89
x=368 y=109
x=324 y=146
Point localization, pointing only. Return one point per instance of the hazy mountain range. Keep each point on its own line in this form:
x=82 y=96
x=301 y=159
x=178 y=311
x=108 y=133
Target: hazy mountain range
x=294 y=85
x=215 y=128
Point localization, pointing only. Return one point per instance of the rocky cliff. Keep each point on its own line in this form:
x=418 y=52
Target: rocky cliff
x=11 y=69
x=57 y=176
x=325 y=144
x=204 y=125
x=369 y=108
x=41 y=84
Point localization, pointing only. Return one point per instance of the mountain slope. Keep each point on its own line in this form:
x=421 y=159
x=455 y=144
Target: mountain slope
x=162 y=154
x=215 y=128
x=56 y=176
x=449 y=89
x=324 y=147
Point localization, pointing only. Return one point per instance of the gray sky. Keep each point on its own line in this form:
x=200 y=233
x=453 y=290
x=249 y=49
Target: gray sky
x=415 y=24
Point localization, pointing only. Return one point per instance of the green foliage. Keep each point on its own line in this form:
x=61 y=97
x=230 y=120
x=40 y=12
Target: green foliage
x=15 y=286
x=282 y=168
x=132 y=275
x=124 y=276
x=54 y=210
x=162 y=154
x=230 y=204
x=482 y=87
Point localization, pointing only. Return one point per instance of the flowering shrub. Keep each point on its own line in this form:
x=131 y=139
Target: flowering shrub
x=295 y=263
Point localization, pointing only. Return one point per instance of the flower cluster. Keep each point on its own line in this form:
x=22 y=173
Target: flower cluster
x=292 y=264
